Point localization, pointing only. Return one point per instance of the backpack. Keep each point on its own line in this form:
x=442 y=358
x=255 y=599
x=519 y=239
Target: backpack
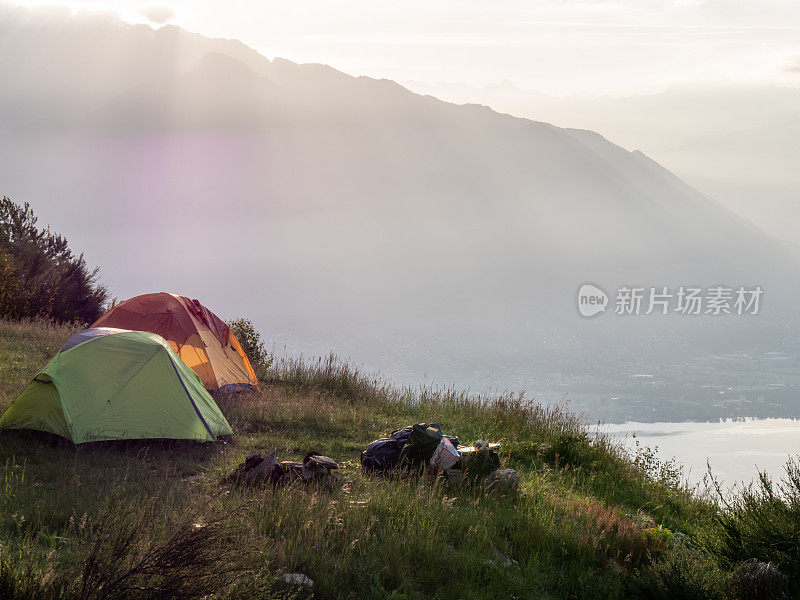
x=412 y=445
x=382 y=455
x=423 y=439
x=402 y=434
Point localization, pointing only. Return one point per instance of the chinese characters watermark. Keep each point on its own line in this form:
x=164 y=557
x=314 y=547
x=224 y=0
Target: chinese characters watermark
x=684 y=300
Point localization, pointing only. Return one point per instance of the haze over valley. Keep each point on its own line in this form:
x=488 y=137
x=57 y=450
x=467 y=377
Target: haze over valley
x=432 y=242
x=737 y=142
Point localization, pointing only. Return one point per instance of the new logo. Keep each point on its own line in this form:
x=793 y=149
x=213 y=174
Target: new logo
x=591 y=300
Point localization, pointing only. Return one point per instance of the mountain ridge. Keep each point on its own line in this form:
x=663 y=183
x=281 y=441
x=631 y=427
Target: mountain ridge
x=356 y=211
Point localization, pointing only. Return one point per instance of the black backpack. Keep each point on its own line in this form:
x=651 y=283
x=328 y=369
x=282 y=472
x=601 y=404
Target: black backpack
x=423 y=439
x=382 y=455
x=412 y=445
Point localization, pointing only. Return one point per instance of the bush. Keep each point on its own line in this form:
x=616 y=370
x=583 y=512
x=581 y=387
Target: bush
x=574 y=449
x=682 y=575
x=252 y=344
x=193 y=561
x=761 y=521
x=121 y=560
x=756 y=580
x=667 y=472
x=39 y=275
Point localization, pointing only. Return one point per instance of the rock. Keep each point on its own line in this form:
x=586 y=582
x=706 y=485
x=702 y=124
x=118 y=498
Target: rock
x=255 y=469
x=261 y=471
x=298 y=579
x=318 y=461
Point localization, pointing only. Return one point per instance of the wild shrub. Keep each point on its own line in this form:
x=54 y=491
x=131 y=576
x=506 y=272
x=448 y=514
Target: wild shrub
x=667 y=472
x=756 y=580
x=681 y=575
x=331 y=376
x=761 y=521
x=39 y=274
x=252 y=344
x=573 y=449
x=196 y=558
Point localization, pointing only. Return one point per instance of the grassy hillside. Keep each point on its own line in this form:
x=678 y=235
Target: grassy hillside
x=145 y=520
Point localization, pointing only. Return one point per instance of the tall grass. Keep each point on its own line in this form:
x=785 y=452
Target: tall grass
x=25 y=347
x=126 y=552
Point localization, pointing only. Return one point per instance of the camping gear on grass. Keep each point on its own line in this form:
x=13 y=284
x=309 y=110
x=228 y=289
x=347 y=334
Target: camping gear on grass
x=115 y=386
x=255 y=470
x=422 y=442
x=413 y=445
x=480 y=459
x=200 y=337
x=425 y=444
x=382 y=455
x=445 y=456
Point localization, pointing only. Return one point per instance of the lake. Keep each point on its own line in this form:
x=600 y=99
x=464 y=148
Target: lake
x=736 y=450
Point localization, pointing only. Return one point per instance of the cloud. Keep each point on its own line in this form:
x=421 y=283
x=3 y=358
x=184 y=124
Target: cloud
x=157 y=14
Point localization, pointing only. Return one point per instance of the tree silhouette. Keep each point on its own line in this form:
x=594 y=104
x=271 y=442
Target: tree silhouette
x=39 y=274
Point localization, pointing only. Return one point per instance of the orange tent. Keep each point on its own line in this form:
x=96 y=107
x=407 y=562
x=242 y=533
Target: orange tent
x=201 y=338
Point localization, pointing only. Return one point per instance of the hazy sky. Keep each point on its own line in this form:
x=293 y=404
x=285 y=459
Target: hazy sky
x=556 y=46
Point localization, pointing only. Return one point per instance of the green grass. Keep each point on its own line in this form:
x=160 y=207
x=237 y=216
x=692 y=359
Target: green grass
x=588 y=522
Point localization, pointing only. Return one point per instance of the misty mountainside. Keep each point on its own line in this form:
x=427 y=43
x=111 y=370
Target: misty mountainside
x=415 y=236
x=737 y=142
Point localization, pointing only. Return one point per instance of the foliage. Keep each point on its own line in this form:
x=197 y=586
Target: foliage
x=681 y=575
x=39 y=274
x=254 y=347
x=761 y=521
x=196 y=558
x=122 y=560
x=660 y=532
x=573 y=449
x=757 y=580
x=667 y=472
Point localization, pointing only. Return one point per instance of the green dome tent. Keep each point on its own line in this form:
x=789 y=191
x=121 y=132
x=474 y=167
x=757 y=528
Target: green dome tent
x=117 y=385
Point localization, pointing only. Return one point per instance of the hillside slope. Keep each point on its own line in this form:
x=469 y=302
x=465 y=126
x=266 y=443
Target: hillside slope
x=586 y=524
